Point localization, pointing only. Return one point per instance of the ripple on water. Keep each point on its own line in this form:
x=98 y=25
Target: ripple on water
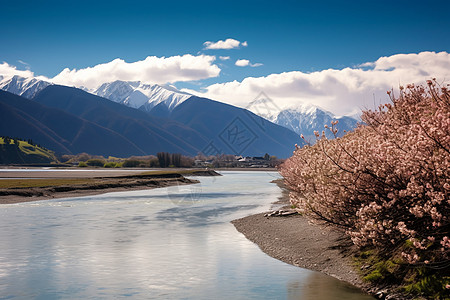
x=144 y=245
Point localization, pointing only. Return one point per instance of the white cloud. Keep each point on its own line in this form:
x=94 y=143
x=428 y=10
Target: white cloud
x=8 y=70
x=152 y=70
x=224 y=57
x=242 y=62
x=227 y=44
x=343 y=92
x=246 y=63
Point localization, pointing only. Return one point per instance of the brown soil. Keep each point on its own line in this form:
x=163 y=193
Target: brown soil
x=298 y=241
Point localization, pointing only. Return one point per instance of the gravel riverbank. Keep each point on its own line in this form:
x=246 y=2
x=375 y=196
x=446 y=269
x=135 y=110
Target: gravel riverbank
x=299 y=241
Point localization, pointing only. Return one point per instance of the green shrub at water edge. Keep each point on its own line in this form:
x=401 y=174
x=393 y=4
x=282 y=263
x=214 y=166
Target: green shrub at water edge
x=131 y=163
x=95 y=162
x=82 y=164
x=426 y=281
x=417 y=281
x=110 y=165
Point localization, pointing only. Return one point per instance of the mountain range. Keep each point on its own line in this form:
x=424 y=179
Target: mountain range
x=161 y=100
x=141 y=96
x=56 y=129
x=131 y=118
x=22 y=86
x=307 y=119
x=70 y=120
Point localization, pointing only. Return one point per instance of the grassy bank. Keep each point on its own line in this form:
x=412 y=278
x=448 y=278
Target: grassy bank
x=13 y=151
x=389 y=275
x=31 y=189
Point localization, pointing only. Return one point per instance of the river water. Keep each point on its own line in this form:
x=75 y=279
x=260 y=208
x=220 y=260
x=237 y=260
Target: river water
x=167 y=243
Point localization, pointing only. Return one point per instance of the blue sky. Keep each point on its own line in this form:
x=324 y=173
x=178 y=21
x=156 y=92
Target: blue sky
x=304 y=36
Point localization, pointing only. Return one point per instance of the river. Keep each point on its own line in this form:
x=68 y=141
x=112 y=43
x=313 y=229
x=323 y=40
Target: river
x=167 y=243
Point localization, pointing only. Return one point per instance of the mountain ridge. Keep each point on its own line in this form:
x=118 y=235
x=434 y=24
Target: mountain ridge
x=152 y=117
x=27 y=87
x=57 y=130
x=161 y=100
x=314 y=119
x=139 y=95
x=234 y=130
x=150 y=133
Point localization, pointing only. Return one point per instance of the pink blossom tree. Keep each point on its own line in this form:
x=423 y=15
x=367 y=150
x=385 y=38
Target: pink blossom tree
x=386 y=183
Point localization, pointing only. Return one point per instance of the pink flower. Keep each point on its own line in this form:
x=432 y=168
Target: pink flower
x=388 y=180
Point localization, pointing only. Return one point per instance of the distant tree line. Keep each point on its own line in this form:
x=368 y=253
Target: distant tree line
x=161 y=160
x=169 y=160
x=166 y=159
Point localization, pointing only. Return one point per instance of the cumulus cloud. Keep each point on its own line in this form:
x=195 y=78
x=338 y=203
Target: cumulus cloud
x=242 y=62
x=343 y=92
x=152 y=70
x=7 y=70
x=246 y=63
x=227 y=44
x=224 y=57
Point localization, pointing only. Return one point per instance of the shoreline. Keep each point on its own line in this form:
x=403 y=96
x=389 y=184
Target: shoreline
x=92 y=183
x=302 y=242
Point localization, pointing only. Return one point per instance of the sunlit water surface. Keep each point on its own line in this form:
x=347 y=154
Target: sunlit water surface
x=167 y=243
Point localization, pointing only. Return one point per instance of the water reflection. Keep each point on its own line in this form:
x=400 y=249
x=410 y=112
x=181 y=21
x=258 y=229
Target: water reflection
x=142 y=245
x=316 y=286
x=193 y=216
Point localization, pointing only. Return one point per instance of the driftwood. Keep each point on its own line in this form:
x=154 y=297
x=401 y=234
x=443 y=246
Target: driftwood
x=281 y=213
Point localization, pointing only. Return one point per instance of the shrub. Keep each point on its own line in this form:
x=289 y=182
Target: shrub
x=387 y=183
x=153 y=163
x=110 y=165
x=95 y=162
x=82 y=164
x=130 y=163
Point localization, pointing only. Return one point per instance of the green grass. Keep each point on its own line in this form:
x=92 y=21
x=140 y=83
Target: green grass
x=410 y=280
x=2 y=141
x=423 y=283
x=18 y=151
x=82 y=164
x=110 y=165
x=378 y=269
x=28 y=149
x=383 y=270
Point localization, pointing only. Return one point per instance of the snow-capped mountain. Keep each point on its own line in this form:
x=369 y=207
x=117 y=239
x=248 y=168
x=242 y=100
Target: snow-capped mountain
x=302 y=120
x=160 y=100
x=141 y=96
x=306 y=119
x=22 y=86
x=130 y=93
